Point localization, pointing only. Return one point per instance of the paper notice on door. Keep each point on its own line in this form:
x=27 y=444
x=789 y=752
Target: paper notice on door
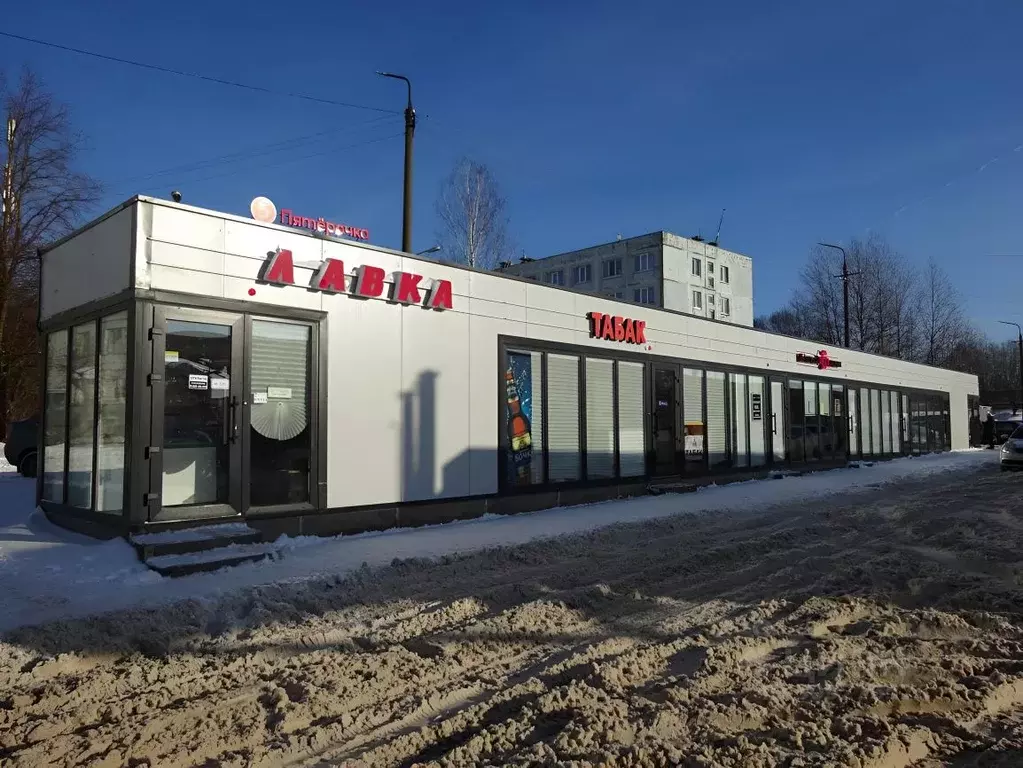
x=279 y=393
x=216 y=382
x=198 y=381
x=170 y=356
x=258 y=398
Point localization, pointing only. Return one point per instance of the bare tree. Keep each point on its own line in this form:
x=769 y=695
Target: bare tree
x=474 y=228
x=43 y=197
x=943 y=324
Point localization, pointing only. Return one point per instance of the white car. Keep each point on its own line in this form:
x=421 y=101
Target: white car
x=1011 y=455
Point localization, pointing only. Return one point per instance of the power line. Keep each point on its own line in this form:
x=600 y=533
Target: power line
x=282 y=162
x=195 y=75
x=257 y=151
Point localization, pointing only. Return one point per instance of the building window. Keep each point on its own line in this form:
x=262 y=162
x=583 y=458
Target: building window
x=55 y=417
x=723 y=274
x=581 y=273
x=697 y=300
x=616 y=295
x=717 y=421
x=696 y=268
x=726 y=306
x=645 y=295
x=600 y=426
x=710 y=267
x=113 y=367
x=612 y=268
x=692 y=403
x=563 y=447
x=81 y=415
x=555 y=277
x=644 y=262
x=523 y=379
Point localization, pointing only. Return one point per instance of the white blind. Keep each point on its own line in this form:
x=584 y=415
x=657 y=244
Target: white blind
x=875 y=421
x=886 y=421
x=896 y=424
x=536 y=369
x=739 y=418
x=563 y=417
x=600 y=425
x=717 y=430
x=631 y=438
x=280 y=370
x=864 y=419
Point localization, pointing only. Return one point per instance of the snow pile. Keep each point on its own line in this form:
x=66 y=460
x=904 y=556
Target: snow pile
x=48 y=573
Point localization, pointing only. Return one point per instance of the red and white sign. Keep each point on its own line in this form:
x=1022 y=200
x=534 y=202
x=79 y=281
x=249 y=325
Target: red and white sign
x=366 y=281
x=822 y=360
x=617 y=328
x=263 y=209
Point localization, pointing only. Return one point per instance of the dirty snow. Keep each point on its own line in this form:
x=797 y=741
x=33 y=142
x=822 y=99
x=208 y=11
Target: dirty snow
x=48 y=573
x=879 y=627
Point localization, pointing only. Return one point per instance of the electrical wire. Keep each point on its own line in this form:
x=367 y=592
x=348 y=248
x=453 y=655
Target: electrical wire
x=257 y=151
x=195 y=75
x=280 y=162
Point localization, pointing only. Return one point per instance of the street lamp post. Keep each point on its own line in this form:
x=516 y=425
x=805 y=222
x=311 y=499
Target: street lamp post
x=410 y=130
x=1020 y=342
x=846 y=274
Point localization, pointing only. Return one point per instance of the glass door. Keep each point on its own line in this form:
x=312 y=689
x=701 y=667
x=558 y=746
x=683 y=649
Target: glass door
x=778 y=426
x=195 y=447
x=666 y=420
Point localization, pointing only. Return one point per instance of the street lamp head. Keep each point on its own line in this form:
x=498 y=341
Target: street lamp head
x=433 y=249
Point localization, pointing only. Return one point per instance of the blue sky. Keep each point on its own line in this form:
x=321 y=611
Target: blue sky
x=806 y=120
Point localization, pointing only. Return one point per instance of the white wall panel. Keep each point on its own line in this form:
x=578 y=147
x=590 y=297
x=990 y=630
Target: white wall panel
x=92 y=265
x=434 y=393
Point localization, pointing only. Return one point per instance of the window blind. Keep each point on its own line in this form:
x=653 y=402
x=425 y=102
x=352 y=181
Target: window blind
x=717 y=422
x=600 y=425
x=563 y=417
x=631 y=437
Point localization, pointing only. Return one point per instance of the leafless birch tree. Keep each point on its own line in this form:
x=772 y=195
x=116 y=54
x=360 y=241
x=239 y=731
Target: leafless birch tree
x=474 y=228
x=43 y=198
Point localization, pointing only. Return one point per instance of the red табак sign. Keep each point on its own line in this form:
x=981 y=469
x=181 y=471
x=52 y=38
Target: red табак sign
x=617 y=328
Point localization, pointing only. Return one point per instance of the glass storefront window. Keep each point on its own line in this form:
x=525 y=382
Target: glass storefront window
x=896 y=424
x=110 y=437
x=876 y=446
x=717 y=420
x=826 y=428
x=797 y=441
x=563 y=417
x=280 y=447
x=811 y=428
x=866 y=446
x=757 y=422
x=81 y=415
x=740 y=424
x=852 y=398
x=600 y=424
x=886 y=422
x=55 y=417
x=840 y=427
x=631 y=420
x=523 y=417
x=695 y=428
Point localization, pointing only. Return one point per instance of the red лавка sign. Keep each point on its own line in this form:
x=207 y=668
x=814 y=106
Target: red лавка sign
x=366 y=281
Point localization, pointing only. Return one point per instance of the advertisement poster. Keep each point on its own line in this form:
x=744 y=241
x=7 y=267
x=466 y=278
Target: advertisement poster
x=519 y=386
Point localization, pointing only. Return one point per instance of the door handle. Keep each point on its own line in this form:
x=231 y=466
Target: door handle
x=233 y=420
x=774 y=423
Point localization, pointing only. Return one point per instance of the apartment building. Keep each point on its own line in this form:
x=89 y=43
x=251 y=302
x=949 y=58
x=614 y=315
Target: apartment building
x=659 y=269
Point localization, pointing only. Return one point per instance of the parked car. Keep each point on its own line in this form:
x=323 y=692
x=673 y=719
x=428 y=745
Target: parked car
x=21 y=445
x=1011 y=455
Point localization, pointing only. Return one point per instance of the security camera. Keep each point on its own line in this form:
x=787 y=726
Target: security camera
x=176 y=196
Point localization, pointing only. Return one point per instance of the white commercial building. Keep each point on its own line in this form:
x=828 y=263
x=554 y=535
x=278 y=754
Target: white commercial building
x=312 y=384
x=659 y=269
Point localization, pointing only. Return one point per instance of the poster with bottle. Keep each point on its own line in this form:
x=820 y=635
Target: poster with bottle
x=519 y=417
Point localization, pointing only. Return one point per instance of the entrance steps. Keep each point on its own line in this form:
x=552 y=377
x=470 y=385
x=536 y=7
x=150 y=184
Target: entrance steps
x=200 y=548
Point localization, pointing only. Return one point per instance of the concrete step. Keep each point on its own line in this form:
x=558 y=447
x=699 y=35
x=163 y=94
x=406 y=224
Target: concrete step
x=199 y=538
x=208 y=560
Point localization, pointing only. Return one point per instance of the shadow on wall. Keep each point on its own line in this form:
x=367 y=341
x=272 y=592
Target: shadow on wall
x=421 y=433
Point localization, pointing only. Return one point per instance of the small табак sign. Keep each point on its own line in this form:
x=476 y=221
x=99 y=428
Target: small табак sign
x=366 y=281
x=822 y=360
x=617 y=328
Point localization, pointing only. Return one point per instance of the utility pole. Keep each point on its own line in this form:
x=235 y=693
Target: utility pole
x=410 y=130
x=846 y=274
x=1020 y=342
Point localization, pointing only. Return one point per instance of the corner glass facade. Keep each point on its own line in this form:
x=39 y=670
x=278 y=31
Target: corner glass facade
x=84 y=424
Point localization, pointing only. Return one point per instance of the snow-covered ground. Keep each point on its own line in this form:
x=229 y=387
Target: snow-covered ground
x=48 y=573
